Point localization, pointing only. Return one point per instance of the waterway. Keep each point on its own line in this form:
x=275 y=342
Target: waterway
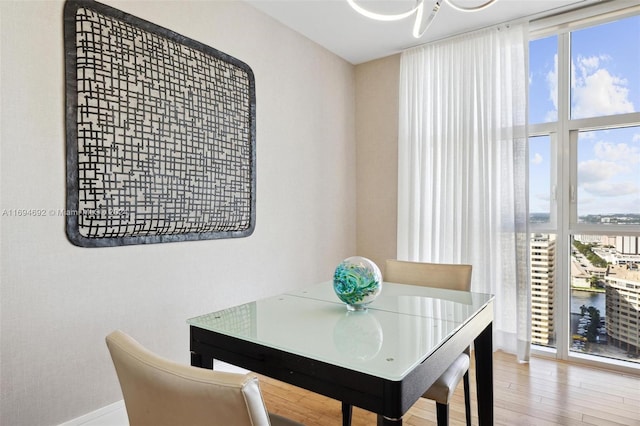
x=579 y=298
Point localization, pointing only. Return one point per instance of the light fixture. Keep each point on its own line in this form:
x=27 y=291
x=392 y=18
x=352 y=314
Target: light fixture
x=421 y=24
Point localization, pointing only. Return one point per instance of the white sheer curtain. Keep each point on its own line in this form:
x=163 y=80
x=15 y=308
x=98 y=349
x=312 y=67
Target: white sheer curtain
x=463 y=155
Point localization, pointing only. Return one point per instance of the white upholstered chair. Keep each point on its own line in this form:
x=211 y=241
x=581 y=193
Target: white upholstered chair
x=449 y=276
x=161 y=392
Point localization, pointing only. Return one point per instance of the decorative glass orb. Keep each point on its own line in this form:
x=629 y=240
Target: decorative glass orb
x=357 y=282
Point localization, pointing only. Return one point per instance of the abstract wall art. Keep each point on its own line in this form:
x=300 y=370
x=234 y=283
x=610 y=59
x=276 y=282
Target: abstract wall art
x=160 y=133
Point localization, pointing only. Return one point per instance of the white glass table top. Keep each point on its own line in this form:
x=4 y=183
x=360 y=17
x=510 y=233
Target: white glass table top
x=401 y=328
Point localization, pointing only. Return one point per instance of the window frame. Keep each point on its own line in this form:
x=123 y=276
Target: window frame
x=563 y=133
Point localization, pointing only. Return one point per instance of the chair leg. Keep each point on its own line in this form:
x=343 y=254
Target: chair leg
x=442 y=411
x=346 y=414
x=467 y=398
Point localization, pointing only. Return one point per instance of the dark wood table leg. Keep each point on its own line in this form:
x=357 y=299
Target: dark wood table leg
x=197 y=360
x=346 y=414
x=385 y=421
x=483 y=346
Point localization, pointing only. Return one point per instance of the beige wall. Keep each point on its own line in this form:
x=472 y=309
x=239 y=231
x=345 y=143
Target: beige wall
x=377 y=158
x=58 y=301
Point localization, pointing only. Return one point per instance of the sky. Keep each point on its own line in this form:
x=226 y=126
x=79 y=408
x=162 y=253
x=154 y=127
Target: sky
x=605 y=80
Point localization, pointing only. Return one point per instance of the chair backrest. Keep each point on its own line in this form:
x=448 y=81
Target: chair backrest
x=159 y=392
x=441 y=275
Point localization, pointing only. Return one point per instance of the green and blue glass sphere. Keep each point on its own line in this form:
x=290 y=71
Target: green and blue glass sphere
x=357 y=281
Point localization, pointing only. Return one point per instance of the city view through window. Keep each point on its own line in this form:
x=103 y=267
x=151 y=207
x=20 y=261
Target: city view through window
x=604 y=294
x=584 y=188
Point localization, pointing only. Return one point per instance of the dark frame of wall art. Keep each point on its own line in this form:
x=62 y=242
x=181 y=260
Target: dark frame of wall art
x=160 y=133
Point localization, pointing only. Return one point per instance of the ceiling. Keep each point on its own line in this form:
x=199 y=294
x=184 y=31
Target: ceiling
x=336 y=26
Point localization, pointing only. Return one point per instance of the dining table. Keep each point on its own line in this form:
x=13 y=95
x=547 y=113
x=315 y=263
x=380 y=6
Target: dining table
x=381 y=359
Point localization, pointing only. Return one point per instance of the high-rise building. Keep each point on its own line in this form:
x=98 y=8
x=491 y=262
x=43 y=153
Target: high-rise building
x=588 y=239
x=542 y=289
x=626 y=244
x=623 y=307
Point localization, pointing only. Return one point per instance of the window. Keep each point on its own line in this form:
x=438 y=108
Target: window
x=540 y=192
x=584 y=187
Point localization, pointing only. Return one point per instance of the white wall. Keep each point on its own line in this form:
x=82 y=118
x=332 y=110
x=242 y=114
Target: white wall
x=377 y=94
x=58 y=301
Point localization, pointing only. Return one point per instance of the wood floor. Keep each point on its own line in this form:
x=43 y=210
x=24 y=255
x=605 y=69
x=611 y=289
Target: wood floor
x=540 y=393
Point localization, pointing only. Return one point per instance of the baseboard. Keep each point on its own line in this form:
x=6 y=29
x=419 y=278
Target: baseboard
x=112 y=415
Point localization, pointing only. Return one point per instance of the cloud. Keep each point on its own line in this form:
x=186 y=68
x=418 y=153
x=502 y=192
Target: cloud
x=537 y=159
x=612 y=173
x=595 y=205
x=618 y=152
x=551 y=116
x=552 y=84
x=593 y=171
x=591 y=63
x=596 y=91
x=636 y=138
x=588 y=135
x=543 y=197
x=611 y=189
